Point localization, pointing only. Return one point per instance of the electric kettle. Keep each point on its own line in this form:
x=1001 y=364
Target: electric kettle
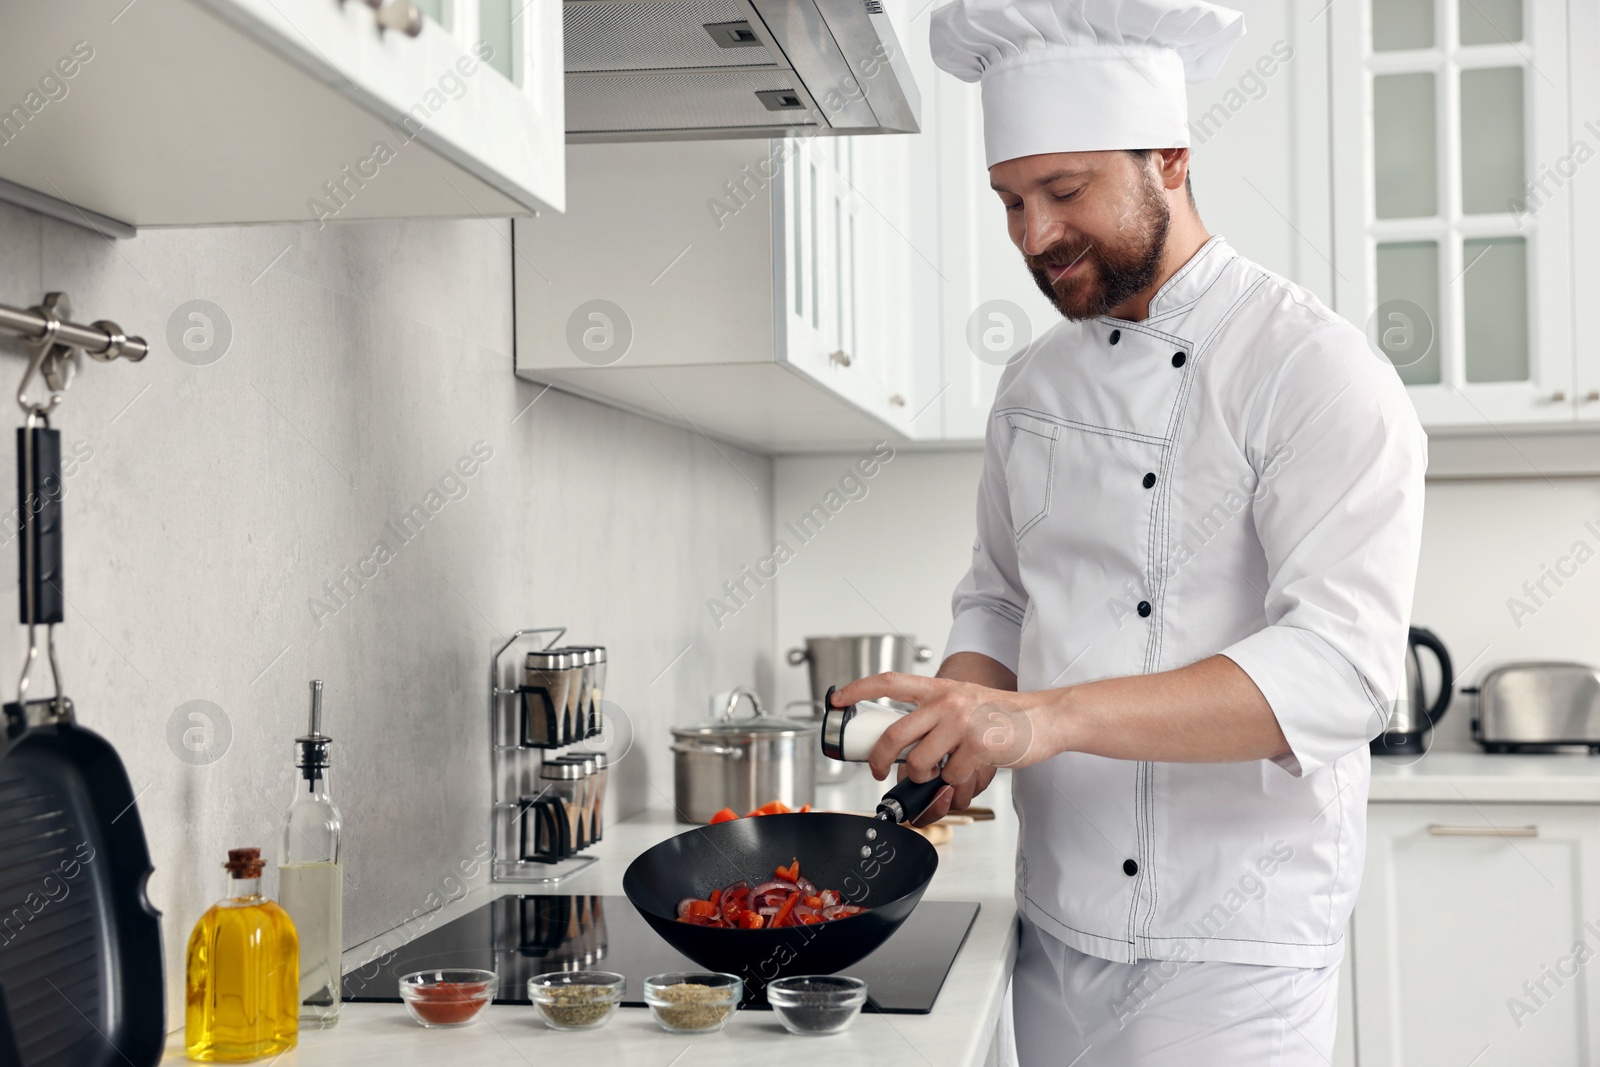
x=1414 y=712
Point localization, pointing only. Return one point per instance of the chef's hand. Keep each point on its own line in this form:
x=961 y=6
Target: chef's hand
x=978 y=728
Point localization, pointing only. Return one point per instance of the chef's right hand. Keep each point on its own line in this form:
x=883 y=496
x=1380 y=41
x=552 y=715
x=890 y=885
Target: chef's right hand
x=953 y=797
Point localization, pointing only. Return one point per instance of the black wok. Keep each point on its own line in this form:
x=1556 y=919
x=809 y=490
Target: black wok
x=876 y=864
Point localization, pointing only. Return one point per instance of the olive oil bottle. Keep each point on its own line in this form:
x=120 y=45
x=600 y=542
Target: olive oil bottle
x=242 y=991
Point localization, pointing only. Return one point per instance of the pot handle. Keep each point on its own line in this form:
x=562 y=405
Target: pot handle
x=687 y=749
x=797 y=656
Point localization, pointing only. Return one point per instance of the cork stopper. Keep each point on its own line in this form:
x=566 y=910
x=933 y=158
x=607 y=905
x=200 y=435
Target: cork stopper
x=244 y=863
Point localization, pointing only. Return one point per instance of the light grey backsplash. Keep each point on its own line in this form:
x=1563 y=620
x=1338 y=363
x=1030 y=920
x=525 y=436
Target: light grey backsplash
x=216 y=501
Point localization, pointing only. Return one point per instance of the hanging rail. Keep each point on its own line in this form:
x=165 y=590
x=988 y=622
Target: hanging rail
x=104 y=340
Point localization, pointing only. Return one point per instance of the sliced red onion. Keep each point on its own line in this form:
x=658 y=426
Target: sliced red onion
x=767 y=911
x=806 y=886
x=767 y=887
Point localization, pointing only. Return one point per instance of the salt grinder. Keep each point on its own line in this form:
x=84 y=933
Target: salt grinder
x=849 y=733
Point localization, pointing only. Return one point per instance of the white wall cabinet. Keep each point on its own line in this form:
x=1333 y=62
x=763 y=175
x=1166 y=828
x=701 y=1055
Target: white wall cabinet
x=1458 y=146
x=700 y=282
x=205 y=112
x=1466 y=934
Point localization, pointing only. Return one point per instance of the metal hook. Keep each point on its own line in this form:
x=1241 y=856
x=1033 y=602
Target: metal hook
x=46 y=356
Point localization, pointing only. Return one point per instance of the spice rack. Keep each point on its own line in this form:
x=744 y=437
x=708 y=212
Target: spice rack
x=547 y=790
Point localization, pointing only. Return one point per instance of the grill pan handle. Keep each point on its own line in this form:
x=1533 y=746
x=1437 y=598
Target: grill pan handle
x=39 y=490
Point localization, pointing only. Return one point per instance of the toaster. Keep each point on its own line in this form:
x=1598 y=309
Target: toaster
x=1538 y=707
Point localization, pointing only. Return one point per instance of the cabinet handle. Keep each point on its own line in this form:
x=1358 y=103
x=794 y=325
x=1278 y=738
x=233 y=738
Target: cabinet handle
x=840 y=357
x=402 y=15
x=897 y=401
x=1483 y=831
x=1558 y=397
x=1592 y=396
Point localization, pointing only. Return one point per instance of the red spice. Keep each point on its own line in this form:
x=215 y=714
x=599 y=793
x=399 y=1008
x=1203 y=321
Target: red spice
x=448 y=1002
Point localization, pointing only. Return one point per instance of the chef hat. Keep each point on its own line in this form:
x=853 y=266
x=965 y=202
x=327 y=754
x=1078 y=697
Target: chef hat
x=1083 y=75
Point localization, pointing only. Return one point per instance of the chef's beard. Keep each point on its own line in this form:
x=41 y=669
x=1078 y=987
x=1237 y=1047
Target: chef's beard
x=1112 y=272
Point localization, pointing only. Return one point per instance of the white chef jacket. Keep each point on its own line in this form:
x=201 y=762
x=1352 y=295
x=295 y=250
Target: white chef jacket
x=1239 y=473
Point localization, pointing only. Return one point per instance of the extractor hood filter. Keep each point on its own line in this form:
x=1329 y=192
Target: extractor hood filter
x=679 y=69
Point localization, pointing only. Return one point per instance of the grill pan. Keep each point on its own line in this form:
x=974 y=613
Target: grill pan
x=80 y=945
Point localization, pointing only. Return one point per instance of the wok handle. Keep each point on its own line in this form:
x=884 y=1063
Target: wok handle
x=39 y=492
x=909 y=799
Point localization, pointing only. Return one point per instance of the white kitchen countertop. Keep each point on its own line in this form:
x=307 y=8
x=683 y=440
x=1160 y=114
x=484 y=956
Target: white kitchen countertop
x=977 y=864
x=1479 y=777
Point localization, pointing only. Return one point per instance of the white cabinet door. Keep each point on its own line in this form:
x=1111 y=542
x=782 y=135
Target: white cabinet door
x=989 y=306
x=1476 y=934
x=1451 y=150
x=845 y=270
x=205 y=112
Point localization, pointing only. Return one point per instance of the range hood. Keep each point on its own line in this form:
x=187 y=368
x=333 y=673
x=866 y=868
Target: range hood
x=652 y=70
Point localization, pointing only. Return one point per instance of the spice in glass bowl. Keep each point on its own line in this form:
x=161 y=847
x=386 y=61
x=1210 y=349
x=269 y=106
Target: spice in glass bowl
x=447 y=998
x=693 y=1002
x=816 y=1003
x=576 y=1000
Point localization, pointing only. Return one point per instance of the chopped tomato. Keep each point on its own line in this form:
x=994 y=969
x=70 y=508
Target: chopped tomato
x=771 y=807
x=805 y=807
x=723 y=816
x=788 y=901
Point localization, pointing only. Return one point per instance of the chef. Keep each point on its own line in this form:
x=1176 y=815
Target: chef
x=1198 y=526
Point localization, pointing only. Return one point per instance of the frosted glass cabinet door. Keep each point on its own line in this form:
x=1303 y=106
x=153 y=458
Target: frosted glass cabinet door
x=1398 y=25
x=1495 y=301
x=1405 y=324
x=1454 y=260
x=1492 y=137
x=1404 y=145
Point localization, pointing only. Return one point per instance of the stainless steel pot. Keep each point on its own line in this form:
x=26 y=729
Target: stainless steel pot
x=838 y=660
x=743 y=763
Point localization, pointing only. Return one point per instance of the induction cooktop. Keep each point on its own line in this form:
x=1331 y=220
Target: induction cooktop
x=518 y=937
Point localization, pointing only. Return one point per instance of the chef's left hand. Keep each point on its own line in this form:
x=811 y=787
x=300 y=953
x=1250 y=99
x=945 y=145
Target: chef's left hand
x=975 y=726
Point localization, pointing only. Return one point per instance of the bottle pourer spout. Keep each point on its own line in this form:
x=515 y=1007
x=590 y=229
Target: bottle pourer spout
x=313 y=753
x=316 y=708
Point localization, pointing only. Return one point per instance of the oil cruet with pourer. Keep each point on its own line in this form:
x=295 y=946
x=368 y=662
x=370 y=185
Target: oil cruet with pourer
x=241 y=990
x=310 y=878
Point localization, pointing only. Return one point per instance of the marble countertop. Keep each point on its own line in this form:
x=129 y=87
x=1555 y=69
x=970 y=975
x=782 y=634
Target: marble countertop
x=977 y=864
x=1477 y=777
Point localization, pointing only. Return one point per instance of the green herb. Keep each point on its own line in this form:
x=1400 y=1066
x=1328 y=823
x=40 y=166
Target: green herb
x=575 y=1006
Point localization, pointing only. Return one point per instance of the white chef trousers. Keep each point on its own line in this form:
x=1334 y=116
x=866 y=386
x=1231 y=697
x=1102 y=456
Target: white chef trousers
x=1075 y=1010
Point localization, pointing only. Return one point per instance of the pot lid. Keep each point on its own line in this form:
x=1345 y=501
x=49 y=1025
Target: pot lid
x=753 y=726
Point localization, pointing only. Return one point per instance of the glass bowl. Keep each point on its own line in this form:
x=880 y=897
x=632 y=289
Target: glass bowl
x=816 y=1003
x=576 y=1000
x=693 y=1002
x=447 y=998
